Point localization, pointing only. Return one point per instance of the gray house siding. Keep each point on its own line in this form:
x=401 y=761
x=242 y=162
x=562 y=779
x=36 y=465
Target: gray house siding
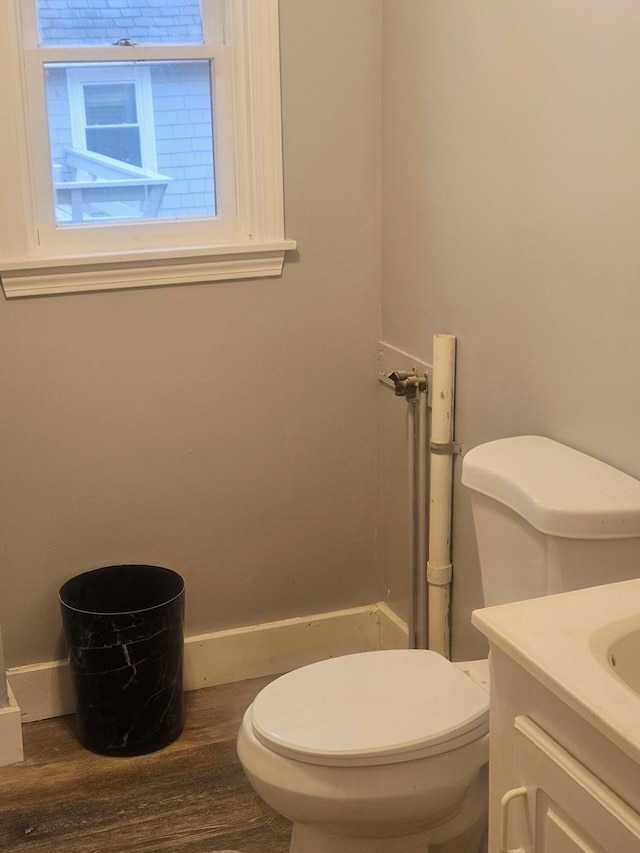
x=184 y=147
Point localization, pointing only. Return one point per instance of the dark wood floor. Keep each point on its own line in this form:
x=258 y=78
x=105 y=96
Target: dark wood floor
x=191 y=797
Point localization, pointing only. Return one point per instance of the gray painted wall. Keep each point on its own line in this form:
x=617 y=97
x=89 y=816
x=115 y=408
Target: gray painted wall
x=511 y=218
x=237 y=432
x=228 y=431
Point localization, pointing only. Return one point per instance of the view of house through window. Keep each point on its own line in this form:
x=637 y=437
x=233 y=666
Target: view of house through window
x=128 y=139
x=111 y=121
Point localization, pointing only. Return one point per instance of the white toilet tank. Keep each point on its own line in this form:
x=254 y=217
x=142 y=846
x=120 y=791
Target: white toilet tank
x=549 y=519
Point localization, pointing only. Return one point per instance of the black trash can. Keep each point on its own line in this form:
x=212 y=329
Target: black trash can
x=124 y=631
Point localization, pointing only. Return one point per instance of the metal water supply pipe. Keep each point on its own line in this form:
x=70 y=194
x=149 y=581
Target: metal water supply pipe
x=414 y=388
x=430 y=474
x=4 y=691
x=413 y=533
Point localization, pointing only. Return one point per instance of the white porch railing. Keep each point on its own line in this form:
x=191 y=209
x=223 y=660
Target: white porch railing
x=94 y=186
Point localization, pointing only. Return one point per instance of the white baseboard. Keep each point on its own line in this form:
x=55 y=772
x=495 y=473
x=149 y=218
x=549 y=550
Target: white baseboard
x=46 y=690
x=10 y=732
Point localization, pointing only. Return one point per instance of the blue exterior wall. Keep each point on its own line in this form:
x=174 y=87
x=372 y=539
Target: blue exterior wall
x=182 y=110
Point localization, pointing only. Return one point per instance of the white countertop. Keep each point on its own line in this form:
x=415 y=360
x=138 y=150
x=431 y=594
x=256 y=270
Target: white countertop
x=563 y=640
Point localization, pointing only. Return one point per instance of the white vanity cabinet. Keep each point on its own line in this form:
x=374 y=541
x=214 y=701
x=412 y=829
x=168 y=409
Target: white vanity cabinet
x=564 y=774
x=554 y=786
x=566 y=808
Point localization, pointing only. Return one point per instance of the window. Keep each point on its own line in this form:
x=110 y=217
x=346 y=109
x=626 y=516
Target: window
x=145 y=143
x=110 y=111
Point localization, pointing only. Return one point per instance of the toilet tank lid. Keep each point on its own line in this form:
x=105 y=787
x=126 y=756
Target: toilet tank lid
x=558 y=490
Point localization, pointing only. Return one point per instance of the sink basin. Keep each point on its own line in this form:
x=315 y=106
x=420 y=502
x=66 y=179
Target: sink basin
x=583 y=647
x=624 y=658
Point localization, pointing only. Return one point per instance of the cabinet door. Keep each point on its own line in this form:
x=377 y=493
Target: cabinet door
x=568 y=809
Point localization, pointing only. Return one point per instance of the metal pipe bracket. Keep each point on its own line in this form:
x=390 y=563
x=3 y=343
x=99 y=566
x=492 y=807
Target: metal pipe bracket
x=445 y=448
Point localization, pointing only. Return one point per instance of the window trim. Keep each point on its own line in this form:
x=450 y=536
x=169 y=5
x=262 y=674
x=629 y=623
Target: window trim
x=256 y=248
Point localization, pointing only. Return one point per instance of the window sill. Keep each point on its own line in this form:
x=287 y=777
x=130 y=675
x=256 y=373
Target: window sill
x=83 y=274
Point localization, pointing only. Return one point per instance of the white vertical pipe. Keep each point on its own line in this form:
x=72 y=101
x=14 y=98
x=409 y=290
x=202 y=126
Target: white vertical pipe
x=422 y=638
x=439 y=568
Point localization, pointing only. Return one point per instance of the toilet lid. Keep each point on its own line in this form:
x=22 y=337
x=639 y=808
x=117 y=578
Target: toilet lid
x=371 y=708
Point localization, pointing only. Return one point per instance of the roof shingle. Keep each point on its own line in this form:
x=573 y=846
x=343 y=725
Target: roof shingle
x=106 y=21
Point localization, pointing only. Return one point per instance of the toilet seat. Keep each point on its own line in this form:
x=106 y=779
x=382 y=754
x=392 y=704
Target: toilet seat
x=370 y=708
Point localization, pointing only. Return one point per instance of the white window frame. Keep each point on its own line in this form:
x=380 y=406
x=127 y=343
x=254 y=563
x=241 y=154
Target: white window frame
x=246 y=237
x=138 y=75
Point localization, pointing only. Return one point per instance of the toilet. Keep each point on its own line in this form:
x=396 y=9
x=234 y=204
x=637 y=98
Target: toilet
x=387 y=751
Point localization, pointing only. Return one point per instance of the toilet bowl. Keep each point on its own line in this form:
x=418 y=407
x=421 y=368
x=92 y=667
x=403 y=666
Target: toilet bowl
x=386 y=752
x=376 y=751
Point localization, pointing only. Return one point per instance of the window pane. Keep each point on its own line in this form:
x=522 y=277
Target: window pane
x=110 y=103
x=121 y=143
x=103 y=22
x=111 y=121
x=137 y=149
